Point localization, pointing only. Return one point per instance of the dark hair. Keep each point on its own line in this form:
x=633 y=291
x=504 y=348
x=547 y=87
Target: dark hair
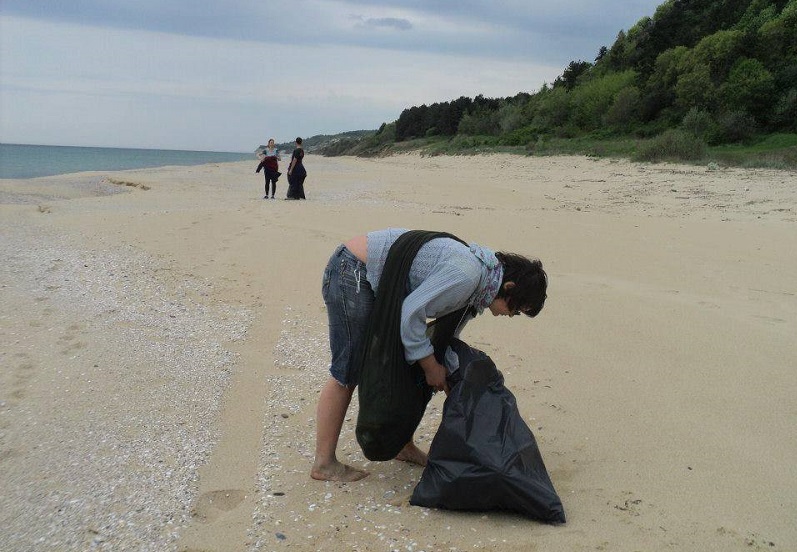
x=531 y=283
x=299 y=141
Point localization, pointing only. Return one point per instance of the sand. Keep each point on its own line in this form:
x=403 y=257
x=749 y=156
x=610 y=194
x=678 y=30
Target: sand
x=164 y=341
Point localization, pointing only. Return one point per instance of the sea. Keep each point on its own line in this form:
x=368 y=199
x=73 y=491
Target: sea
x=31 y=161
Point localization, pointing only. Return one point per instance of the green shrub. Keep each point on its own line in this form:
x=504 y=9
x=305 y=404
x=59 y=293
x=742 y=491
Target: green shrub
x=672 y=145
x=592 y=99
x=699 y=123
x=785 y=116
x=510 y=117
x=625 y=109
x=736 y=126
x=520 y=137
x=749 y=87
x=481 y=121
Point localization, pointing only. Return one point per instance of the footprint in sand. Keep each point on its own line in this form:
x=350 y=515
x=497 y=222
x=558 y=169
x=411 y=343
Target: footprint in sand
x=769 y=319
x=23 y=374
x=210 y=505
x=73 y=347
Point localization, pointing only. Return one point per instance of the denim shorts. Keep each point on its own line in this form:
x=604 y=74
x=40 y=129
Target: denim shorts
x=349 y=299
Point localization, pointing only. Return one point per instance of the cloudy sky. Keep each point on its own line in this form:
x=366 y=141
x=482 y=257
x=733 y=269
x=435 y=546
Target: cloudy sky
x=225 y=76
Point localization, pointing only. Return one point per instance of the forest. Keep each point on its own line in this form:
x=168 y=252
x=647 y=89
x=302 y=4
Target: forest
x=696 y=74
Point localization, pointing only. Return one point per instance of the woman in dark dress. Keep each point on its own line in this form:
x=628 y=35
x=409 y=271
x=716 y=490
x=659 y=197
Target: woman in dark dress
x=296 y=173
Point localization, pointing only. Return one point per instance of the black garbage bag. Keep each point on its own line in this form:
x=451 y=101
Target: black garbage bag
x=484 y=456
x=393 y=394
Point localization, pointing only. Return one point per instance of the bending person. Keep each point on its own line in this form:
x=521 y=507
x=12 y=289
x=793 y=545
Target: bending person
x=445 y=276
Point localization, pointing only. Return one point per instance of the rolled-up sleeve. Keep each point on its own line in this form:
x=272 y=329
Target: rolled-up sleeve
x=447 y=288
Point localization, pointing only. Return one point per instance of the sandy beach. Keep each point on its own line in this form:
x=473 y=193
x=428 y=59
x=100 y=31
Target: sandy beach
x=164 y=340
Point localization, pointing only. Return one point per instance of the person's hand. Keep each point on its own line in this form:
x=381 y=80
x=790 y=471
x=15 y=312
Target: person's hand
x=435 y=375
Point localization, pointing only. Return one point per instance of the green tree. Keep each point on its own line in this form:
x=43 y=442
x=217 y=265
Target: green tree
x=736 y=126
x=625 y=109
x=776 y=37
x=718 y=52
x=785 y=112
x=510 y=117
x=617 y=57
x=699 y=123
x=659 y=91
x=757 y=13
x=480 y=121
x=571 y=74
x=412 y=123
x=750 y=87
x=552 y=110
x=592 y=99
x=683 y=23
x=696 y=89
x=702 y=69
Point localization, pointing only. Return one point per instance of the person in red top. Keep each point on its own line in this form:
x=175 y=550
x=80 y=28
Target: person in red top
x=269 y=162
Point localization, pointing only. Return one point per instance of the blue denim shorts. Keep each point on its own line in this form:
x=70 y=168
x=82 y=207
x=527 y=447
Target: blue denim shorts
x=349 y=299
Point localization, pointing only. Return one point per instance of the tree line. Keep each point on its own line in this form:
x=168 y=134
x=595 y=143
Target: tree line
x=722 y=70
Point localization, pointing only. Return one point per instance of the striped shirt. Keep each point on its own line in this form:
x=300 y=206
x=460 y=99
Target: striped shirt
x=445 y=276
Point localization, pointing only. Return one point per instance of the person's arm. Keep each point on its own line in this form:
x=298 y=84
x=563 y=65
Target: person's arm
x=293 y=163
x=446 y=289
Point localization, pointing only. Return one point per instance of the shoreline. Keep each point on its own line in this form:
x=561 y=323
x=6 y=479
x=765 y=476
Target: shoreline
x=167 y=340
x=29 y=161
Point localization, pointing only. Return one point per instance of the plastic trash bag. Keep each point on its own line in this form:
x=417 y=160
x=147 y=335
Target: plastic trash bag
x=392 y=393
x=484 y=456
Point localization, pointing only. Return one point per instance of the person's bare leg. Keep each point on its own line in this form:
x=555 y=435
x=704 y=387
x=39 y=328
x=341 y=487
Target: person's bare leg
x=330 y=413
x=412 y=454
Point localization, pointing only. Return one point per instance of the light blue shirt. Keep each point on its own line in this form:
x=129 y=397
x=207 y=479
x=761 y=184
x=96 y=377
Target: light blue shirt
x=445 y=276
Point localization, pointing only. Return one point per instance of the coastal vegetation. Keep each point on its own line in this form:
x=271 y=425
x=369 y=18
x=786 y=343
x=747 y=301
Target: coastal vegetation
x=699 y=81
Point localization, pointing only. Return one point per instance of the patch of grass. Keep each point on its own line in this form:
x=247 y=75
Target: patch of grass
x=468 y=145
x=584 y=145
x=671 y=145
x=776 y=151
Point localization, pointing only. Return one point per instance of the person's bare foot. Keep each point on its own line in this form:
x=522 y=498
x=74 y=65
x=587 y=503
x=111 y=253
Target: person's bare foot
x=412 y=454
x=337 y=471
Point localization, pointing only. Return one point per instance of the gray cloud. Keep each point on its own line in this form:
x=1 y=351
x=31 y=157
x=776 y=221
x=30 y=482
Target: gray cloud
x=389 y=22
x=544 y=31
x=176 y=74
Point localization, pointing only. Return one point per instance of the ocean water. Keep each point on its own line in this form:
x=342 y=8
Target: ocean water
x=26 y=161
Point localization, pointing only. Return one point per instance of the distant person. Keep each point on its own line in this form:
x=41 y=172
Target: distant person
x=445 y=276
x=269 y=162
x=296 y=173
